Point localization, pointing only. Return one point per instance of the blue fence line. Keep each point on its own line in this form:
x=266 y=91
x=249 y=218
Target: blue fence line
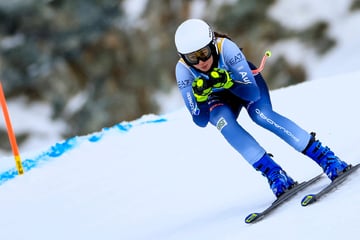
x=61 y=147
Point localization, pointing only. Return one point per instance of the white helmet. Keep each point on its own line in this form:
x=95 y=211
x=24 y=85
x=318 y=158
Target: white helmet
x=192 y=35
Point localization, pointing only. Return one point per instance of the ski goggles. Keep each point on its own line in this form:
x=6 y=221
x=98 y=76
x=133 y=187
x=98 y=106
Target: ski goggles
x=194 y=58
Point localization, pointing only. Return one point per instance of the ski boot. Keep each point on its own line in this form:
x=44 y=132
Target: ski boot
x=278 y=180
x=323 y=156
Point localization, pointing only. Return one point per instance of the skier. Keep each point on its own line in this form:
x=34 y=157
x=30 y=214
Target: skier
x=216 y=81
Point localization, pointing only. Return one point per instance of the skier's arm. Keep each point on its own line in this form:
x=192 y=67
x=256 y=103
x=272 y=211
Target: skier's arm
x=244 y=82
x=199 y=111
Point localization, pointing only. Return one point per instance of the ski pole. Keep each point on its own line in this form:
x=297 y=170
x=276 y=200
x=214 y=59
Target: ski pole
x=262 y=64
x=10 y=131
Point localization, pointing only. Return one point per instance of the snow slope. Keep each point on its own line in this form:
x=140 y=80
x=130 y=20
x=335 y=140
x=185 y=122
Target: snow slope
x=163 y=178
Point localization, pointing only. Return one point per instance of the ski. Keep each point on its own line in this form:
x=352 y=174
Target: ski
x=312 y=198
x=255 y=217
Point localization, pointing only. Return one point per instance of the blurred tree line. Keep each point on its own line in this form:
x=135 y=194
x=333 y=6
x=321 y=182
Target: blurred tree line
x=60 y=51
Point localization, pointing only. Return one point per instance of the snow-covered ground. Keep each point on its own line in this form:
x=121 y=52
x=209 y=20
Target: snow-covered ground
x=161 y=177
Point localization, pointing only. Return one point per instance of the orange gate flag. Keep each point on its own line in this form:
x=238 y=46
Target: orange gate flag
x=10 y=131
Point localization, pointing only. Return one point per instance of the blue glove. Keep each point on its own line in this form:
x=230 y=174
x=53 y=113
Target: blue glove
x=220 y=78
x=201 y=89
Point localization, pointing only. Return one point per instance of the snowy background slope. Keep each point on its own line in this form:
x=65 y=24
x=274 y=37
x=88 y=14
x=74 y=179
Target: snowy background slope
x=300 y=14
x=293 y=15
x=163 y=178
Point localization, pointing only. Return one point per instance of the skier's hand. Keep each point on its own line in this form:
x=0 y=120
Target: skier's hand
x=220 y=78
x=201 y=89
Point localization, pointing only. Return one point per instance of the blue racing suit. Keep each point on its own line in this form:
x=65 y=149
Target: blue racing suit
x=223 y=105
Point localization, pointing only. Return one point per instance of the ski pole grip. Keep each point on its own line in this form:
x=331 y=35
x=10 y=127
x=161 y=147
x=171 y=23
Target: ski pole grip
x=267 y=54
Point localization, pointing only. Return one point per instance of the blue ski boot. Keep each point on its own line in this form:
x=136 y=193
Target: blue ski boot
x=278 y=180
x=323 y=156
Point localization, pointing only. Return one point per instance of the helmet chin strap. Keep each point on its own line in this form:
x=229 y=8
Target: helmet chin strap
x=215 y=61
x=215 y=54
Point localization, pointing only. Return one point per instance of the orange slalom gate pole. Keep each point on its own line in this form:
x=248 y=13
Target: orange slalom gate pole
x=10 y=131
